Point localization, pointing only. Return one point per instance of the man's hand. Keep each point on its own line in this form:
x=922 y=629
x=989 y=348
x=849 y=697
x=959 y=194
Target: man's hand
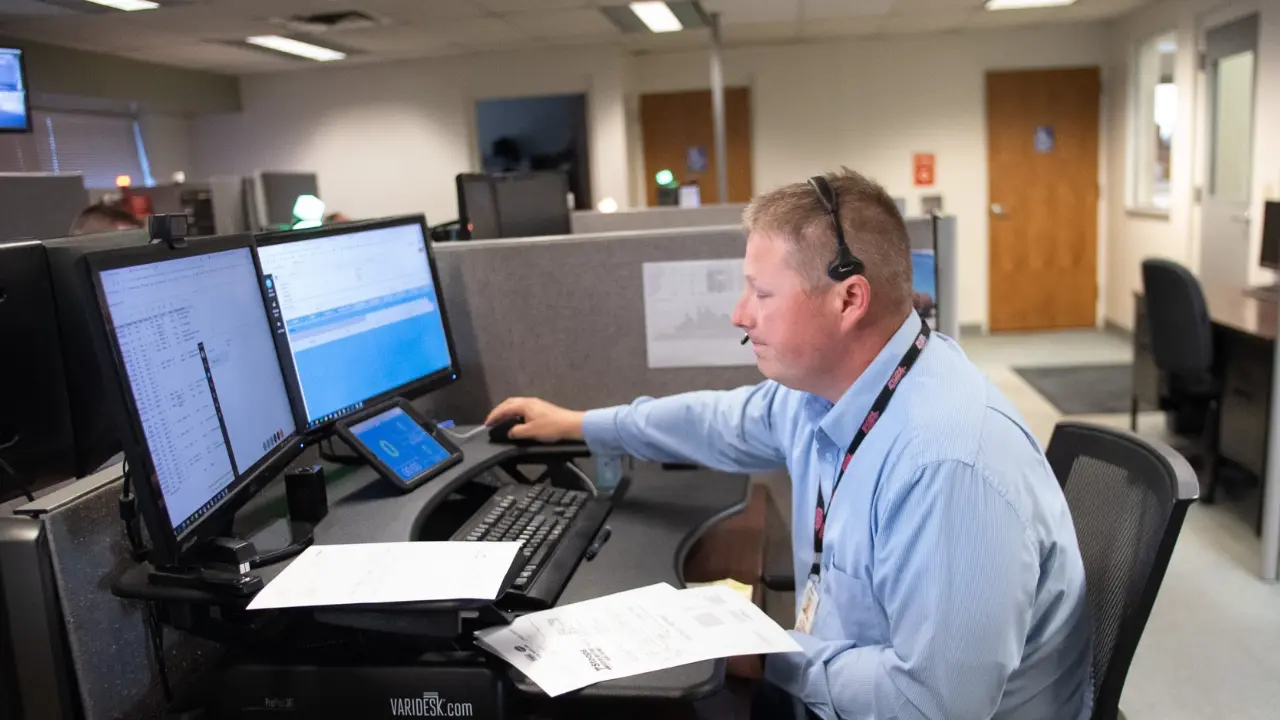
x=543 y=421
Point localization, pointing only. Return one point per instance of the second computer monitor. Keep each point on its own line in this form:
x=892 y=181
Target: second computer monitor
x=357 y=313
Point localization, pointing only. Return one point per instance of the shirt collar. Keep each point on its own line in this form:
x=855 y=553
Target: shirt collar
x=842 y=420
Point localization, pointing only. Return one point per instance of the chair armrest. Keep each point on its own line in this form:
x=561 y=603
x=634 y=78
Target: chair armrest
x=783 y=581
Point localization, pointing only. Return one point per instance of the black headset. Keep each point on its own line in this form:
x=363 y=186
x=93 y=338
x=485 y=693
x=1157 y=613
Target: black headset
x=846 y=264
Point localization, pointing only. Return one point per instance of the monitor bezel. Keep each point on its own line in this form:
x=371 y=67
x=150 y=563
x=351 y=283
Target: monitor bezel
x=26 y=95
x=410 y=390
x=464 y=216
x=167 y=545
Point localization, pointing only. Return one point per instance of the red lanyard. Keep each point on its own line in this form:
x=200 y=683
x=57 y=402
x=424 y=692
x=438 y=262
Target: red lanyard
x=877 y=409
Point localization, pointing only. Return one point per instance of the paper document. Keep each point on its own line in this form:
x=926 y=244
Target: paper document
x=390 y=573
x=633 y=632
x=688 y=314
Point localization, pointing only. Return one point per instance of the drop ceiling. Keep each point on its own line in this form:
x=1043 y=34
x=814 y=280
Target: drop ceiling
x=201 y=34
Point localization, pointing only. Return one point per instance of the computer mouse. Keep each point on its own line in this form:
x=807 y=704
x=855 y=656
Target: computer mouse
x=501 y=433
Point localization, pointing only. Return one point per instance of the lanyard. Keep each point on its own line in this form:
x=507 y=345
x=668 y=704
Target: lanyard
x=877 y=409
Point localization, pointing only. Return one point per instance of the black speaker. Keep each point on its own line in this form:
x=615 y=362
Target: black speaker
x=36 y=437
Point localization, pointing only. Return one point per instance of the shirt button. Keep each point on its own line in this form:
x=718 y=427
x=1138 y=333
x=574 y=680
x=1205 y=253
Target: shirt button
x=828 y=457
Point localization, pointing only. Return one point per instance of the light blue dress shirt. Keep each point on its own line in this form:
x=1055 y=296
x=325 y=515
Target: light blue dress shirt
x=952 y=584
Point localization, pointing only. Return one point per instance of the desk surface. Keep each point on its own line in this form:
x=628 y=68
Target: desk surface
x=660 y=517
x=1231 y=308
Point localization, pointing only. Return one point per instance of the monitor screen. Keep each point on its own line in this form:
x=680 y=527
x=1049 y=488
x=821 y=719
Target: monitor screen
x=1270 y=256
x=924 y=285
x=477 y=208
x=400 y=443
x=533 y=204
x=15 y=109
x=202 y=368
x=361 y=315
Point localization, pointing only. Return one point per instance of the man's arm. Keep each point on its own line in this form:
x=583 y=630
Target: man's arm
x=728 y=430
x=956 y=572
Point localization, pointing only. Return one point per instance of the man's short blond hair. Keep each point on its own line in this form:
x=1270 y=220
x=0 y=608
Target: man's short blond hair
x=873 y=228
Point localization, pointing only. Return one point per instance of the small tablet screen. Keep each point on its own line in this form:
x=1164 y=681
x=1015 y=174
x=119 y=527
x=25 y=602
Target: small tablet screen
x=400 y=443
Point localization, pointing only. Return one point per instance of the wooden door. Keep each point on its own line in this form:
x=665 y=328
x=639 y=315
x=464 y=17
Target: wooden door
x=1042 y=160
x=672 y=123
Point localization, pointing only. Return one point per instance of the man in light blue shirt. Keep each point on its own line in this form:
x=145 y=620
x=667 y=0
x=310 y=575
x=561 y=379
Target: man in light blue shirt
x=950 y=583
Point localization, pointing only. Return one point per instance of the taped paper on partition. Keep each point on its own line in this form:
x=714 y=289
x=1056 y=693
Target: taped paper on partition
x=688 y=314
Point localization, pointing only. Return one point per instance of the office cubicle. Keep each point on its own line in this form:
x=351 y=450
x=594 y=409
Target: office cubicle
x=39 y=205
x=586 y=222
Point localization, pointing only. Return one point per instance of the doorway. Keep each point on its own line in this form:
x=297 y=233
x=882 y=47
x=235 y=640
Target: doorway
x=1042 y=160
x=547 y=132
x=679 y=135
x=1229 y=60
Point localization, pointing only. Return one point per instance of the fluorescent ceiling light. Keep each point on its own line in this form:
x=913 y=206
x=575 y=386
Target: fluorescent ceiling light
x=128 y=5
x=657 y=16
x=296 y=47
x=1025 y=4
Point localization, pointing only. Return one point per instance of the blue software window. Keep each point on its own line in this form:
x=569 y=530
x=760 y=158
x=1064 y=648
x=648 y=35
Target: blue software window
x=361 y=315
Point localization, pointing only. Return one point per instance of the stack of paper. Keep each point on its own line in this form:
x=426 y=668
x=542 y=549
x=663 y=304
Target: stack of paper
x=633 y=632
x=390 y=573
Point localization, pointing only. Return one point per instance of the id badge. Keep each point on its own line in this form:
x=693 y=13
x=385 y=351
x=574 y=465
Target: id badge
x=808 y=606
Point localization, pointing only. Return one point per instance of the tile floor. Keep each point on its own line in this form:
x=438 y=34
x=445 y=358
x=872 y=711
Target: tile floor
x=1212 y=646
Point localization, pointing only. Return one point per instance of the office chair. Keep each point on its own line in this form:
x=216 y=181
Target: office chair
x=1128 y=498
x=1182 y=345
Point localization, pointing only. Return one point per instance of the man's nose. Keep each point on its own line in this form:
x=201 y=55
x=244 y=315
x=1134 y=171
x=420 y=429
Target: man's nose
x=741 y=315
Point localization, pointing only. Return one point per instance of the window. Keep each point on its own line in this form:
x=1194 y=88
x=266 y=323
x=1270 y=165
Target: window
x=100 y=147
x=1154 y=124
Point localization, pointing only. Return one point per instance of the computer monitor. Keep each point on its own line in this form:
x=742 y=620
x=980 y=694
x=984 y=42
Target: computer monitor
x=1270 y=255
x=358 y=315
x=96 y=422
x=206 y=407
x=533 y=204
x=15 y=102
x=277 y=194
x=924 y=284
x=477 y=207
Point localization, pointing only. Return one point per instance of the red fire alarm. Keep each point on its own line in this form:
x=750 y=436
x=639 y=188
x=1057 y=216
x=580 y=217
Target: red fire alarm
x=923 y=165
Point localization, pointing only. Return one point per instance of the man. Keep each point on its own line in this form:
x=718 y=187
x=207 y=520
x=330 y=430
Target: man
x=101 y=217
x=949 y=582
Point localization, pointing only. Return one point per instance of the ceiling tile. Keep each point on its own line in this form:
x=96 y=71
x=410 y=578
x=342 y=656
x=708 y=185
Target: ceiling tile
x=841 y=27
x=511 y=6
x=412 y=10
x=907 y=7
x=754 y=32
x=827 y=9
x=668 y=41
x=754 y=11
x=395 y=41
x=1015 y=18
x=480 y=31
x=564 y=23
x=936 y=21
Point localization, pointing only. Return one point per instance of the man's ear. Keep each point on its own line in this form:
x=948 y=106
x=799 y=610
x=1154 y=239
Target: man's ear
x=855 y=300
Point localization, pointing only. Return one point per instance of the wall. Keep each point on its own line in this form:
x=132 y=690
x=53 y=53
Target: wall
x=154 y=88
x=167 y=139
x=390 y=138
x=1136 y=236
x=871 y=104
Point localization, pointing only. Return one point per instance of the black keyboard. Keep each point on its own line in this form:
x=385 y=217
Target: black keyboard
x=556 y=526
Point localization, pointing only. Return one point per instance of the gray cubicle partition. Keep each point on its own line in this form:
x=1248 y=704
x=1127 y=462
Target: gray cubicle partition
x=39 y=205
x=586 y=222
x=558 y=317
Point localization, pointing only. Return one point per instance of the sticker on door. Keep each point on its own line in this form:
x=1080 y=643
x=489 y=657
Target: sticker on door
x=1044 y=138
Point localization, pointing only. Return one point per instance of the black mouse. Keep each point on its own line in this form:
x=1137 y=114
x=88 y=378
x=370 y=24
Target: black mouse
x=501 y=433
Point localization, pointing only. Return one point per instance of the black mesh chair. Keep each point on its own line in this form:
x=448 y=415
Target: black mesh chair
x=1128 y=497
x=1182 y=345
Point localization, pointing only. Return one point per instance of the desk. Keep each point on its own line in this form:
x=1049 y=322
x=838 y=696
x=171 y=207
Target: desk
x=656 y=521
x=1244 y=352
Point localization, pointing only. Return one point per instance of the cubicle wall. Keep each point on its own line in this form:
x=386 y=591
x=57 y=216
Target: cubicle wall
x=659 y=218
x=561 y=318
x=39 y=205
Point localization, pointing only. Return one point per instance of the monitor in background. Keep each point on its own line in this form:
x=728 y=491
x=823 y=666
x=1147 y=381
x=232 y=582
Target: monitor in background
x=357 y=314
x=208 y=410
x=1270 y=255
x=96 y=422
x=15 y=104
x=278 y=193
x=924 y=285
x=477 y=208
x=532 y=204
x=36 y=437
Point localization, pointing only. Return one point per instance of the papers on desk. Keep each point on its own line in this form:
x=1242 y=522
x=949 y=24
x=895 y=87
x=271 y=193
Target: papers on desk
x=633 y=632
x=390 y=573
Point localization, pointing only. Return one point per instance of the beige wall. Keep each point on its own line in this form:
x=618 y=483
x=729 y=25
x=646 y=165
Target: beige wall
x=155 y=88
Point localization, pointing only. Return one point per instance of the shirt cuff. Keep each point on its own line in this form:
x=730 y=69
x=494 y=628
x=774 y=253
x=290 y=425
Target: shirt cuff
x=600 y=431
x=792 y=671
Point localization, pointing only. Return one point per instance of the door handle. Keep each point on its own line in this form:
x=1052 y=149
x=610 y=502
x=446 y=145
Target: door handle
x=1244 y=218
x=997 y=209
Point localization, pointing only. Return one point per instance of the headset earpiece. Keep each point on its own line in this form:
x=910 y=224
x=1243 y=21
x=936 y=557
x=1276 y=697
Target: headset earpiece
x=846 y=264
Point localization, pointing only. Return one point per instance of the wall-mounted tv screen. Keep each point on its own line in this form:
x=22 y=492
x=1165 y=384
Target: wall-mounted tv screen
x=15 y=109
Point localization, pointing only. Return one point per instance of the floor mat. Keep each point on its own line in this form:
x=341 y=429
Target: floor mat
x=1083 y=389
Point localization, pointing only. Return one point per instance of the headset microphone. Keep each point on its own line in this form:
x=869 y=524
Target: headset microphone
x=745 y=339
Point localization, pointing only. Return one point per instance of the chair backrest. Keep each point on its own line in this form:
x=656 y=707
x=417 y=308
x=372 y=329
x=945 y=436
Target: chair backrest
x=1128 y=497
x=1178 y=317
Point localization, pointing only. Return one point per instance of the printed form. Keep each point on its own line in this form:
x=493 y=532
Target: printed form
x=629 y=633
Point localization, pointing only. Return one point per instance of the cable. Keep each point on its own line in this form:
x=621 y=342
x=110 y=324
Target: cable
x=155 y=634
x=17 y=479
x=326 y=453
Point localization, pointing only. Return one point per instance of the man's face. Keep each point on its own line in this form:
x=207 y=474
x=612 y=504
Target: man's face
x=793 y=329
